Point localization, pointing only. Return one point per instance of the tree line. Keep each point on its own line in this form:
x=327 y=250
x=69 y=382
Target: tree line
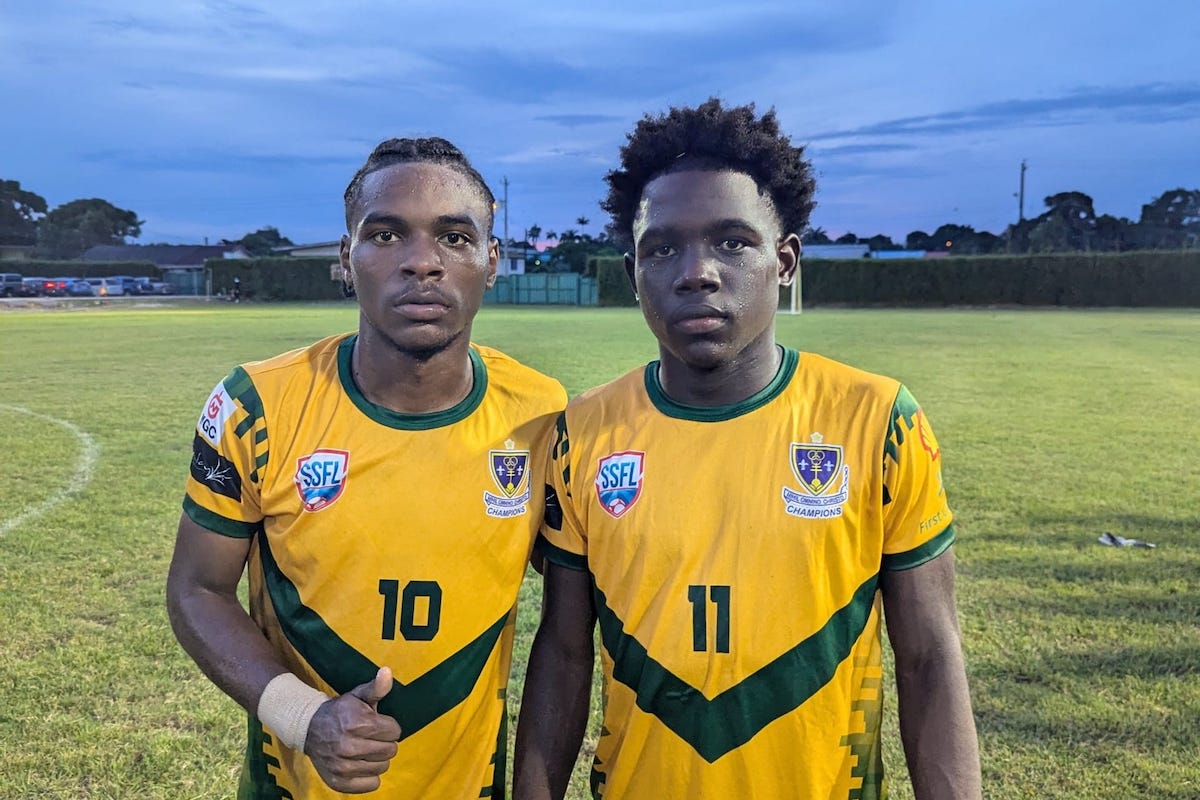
x=1069 y=224
x=68 y=230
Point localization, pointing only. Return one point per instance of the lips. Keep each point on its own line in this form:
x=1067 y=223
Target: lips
x=698 y=318
x=422 y=306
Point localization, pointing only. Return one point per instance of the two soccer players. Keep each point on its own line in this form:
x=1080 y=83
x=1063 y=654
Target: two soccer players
x=737 y=516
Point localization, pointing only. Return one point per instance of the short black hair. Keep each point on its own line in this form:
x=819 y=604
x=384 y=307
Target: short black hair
x=711 y=137
x=430 y=150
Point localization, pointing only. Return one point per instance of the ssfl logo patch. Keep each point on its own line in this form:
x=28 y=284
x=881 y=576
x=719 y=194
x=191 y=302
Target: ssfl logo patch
x=321 y=478
x=619 y=481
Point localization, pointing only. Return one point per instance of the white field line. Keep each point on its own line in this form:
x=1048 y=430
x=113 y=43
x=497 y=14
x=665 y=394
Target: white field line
x=88 y=454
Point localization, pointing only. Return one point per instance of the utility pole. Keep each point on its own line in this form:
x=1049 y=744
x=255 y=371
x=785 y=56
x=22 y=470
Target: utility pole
x=504 y=249
x=1021 y=201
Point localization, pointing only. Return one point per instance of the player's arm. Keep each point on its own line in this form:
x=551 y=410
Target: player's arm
x=349 y=743
x=554 y=706
x=936 y=724
x=208 y=619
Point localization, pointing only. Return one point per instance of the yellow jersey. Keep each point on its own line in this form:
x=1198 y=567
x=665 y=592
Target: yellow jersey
x=735 y=555
x=381 y=539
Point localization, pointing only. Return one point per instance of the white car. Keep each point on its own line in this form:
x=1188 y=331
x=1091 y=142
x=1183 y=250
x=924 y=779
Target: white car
x=107 y=287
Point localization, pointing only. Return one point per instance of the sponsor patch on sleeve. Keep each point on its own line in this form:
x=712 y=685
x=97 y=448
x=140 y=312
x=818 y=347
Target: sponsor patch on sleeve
x=215 y=414
x=214 y=470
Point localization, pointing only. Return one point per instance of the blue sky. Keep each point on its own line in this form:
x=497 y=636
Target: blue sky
x=211 y=118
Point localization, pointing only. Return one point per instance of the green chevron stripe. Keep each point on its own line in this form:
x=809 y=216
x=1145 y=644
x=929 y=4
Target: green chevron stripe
x=413 y=705
x=919 y=555
x=729 y=720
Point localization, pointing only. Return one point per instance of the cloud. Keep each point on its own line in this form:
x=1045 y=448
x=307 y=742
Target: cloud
x=862 y=149
x=1167 y=102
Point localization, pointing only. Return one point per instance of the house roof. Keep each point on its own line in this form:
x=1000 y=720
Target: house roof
x=164 y=255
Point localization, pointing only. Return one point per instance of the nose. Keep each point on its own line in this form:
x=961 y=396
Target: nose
x=421 y=259
x=697 y=272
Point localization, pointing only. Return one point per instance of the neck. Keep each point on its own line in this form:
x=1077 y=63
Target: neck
x=725 y=384
x=411 y=383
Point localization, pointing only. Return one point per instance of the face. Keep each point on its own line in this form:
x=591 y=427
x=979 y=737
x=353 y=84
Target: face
x=419 y=255
x=708 y=260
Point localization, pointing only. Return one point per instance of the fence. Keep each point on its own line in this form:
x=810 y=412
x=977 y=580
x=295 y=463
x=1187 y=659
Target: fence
x=559 y=289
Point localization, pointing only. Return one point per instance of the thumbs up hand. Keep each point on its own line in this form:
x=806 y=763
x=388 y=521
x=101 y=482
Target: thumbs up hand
x=350 y=743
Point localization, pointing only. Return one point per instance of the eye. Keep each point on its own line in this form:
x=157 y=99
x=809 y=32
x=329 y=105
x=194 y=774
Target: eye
x=456 y=239
x=662 y=251
x=731 y=245
x=384 y=237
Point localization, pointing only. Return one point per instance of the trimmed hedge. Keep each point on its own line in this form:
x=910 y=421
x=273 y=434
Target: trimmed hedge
x=45 y=268
x=1151 y=278
x=275 y=279
x=1146 y=278
x=612 y=284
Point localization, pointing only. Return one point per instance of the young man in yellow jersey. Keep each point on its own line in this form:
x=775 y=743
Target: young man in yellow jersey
x=732 y=515
x=376 y=488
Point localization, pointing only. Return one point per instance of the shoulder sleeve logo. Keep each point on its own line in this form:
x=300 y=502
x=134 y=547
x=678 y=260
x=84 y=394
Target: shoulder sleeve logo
x=217 y=409
x=321 y=477
x=619 y=481
x=214 y=470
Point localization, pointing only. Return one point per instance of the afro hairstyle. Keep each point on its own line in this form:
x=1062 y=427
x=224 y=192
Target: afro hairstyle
x=711 y=137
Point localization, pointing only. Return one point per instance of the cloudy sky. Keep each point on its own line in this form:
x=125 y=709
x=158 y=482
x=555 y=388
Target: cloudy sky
x=211 y=118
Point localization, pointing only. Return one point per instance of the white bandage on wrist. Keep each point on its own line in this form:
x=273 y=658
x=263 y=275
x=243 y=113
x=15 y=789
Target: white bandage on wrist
x=287 y=706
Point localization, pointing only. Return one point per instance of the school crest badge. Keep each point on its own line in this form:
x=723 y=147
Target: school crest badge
x=619 y=481
x=321 y=478
x=510 y=472
x=824 y=479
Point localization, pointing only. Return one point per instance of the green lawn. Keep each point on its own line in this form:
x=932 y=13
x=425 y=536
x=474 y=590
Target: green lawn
x=1056 y=426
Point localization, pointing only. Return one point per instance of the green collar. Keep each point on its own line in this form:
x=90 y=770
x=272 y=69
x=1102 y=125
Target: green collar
x=787 y=368
x=411 y=422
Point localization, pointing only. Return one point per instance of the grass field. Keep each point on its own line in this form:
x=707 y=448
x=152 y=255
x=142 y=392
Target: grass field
x=1056 y=426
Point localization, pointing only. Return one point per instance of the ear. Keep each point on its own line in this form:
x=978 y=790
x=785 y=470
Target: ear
x=344 y=259
x=630 y=273
x=493 y=260
x=787 y=251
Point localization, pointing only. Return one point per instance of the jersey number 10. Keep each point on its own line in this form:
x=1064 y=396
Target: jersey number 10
x=406 y=601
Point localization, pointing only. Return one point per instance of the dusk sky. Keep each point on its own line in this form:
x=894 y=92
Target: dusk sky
x=212 y=118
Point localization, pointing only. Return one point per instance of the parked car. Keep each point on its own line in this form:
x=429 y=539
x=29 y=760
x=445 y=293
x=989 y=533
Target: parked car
x=106 y=287
x=32 y=287
x=151 y=286
x=10 y=284
x=55 y=287
x=78 y=287
x=129 y=284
